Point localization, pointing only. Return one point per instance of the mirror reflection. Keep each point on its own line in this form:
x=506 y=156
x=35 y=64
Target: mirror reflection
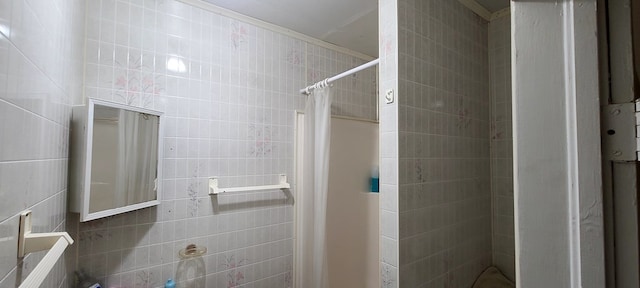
x=124 y=158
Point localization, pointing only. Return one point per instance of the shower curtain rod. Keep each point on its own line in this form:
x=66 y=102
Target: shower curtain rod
x=327 y=81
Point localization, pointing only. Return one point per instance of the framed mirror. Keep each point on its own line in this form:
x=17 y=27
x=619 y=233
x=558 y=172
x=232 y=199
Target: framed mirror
x=116 y=159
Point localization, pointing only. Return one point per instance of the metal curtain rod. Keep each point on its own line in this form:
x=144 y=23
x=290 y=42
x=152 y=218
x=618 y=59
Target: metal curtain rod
x=327 y=81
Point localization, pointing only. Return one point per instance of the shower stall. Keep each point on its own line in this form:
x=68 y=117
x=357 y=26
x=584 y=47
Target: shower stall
x=337 y=203
x=352 y=213
x=446 y=202
x=446 y=155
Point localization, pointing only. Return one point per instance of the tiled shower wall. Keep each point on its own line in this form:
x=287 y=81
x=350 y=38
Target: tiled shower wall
x=501 y=146
x=40 y=75
x=451 y=127
x=444 y=166
x=229 y=104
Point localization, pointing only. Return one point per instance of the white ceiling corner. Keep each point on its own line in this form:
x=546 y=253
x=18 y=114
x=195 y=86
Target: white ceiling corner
x=352 y=24
x=493 y=5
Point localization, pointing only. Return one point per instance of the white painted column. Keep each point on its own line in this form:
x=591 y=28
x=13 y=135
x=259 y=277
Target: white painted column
x=557 y=172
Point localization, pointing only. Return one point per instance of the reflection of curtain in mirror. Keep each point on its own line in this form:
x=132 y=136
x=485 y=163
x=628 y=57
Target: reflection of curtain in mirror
x=137 y=157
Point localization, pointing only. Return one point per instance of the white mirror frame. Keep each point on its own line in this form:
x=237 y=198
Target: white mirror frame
x=82 y=142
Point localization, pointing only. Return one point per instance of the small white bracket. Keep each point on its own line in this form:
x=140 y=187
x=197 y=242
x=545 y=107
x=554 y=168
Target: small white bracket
x=33 y=242
x=389 y=96
x=214 y=189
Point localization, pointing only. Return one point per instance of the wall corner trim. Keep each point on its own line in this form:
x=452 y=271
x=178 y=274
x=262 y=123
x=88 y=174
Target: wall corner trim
x=477 y=8
x=501 y=13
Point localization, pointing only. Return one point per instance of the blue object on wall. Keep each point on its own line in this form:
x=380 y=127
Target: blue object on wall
x=375 y=185
x=170 y=284
x=375 y=180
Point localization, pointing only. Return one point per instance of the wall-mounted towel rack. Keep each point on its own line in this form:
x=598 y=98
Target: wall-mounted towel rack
x=214 y=189
x=29 y=242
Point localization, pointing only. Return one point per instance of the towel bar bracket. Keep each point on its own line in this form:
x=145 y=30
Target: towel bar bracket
x=29 y=242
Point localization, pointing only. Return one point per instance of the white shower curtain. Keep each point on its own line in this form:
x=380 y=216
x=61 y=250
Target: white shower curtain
x=315 y=185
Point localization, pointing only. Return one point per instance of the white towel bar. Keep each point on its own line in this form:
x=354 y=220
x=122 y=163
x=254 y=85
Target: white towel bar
x=29 y=242
x=214 y=189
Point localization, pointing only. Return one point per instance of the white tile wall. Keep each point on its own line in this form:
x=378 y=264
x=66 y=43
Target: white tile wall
x=40 y=76
x=444 y=155
x=501 y=146
x=388 y=52
x=230 y=113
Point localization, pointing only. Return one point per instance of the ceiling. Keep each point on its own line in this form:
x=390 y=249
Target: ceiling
x=348 y=23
